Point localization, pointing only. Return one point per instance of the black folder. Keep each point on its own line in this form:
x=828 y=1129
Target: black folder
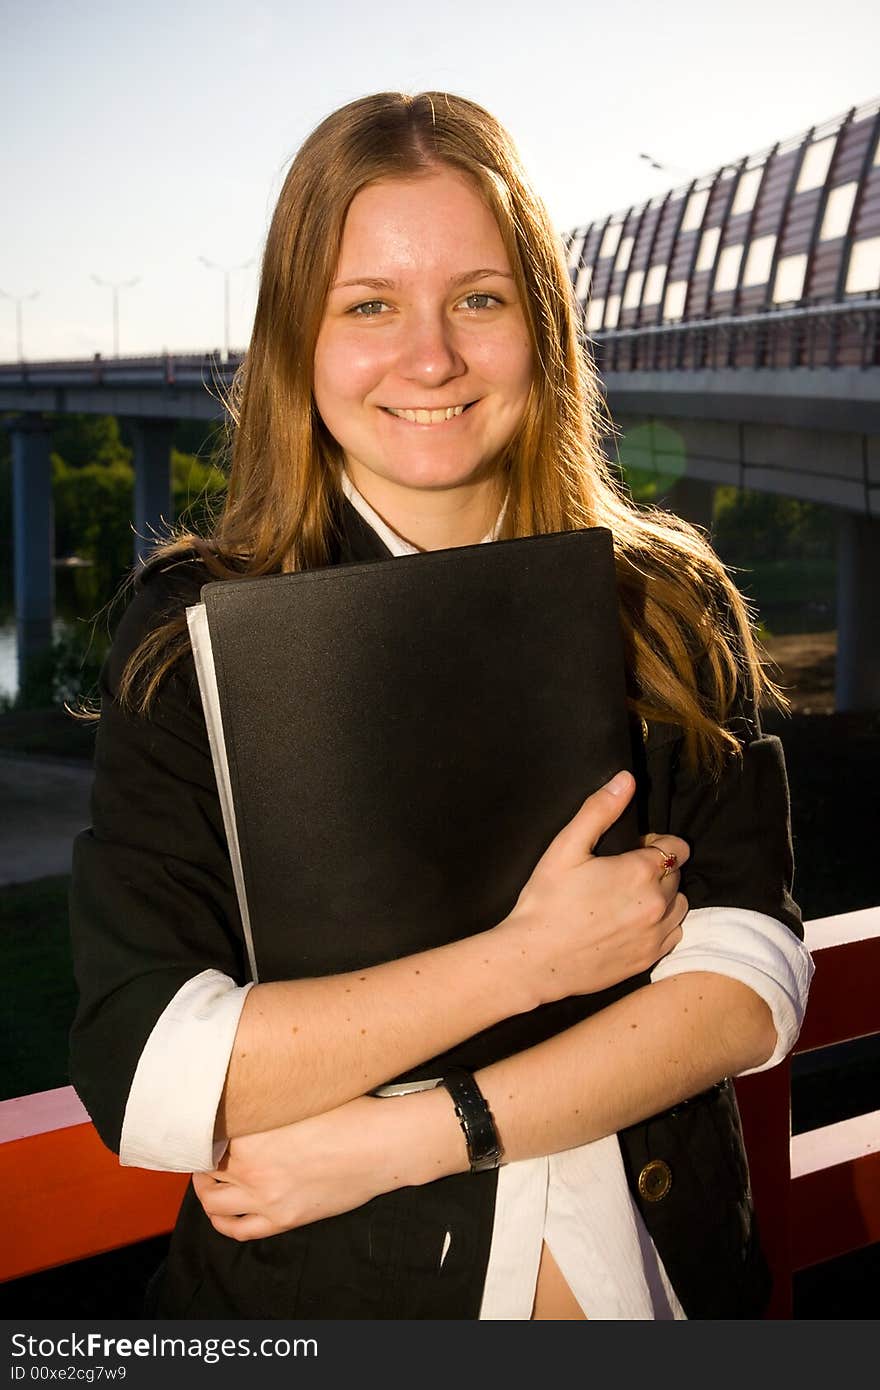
x=397 y=742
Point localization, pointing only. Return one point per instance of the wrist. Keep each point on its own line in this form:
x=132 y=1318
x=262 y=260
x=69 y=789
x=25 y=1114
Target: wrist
x=524 y=938
x=430 y=1136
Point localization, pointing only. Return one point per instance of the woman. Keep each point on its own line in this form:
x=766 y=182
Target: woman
x=415 y=381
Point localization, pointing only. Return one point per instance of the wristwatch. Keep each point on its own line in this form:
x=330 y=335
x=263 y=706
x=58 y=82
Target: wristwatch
x=484 y=1148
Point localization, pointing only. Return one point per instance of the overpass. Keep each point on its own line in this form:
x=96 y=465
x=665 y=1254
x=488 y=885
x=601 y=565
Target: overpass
x=735 y=323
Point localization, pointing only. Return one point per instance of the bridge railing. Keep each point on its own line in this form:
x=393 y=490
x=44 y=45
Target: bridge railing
x=820 y=335
x=165 y=369
x=828 y=335
x=817 y=1194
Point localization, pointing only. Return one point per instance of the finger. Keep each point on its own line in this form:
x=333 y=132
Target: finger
x=203 y=1183
x=662 y=868
x=669 y=942
x=227 y=1200
x=670 y=926
x=674 y=914
x=576 y=841
x=670 y=844
x=244 y=1227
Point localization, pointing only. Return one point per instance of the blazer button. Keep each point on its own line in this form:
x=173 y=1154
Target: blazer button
x=655 y=1180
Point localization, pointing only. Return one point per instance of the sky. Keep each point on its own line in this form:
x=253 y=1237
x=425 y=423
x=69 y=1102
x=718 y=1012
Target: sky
x=137 y=139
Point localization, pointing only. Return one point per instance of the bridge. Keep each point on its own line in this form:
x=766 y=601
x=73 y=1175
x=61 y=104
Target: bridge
x=735 y=324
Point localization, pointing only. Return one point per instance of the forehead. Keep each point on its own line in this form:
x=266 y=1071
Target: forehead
x=411 y=224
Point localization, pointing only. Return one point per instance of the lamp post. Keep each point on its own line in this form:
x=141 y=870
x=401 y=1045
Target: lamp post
x=116 y=286
x=226 y=272
x=672 y=169
x=19 y=299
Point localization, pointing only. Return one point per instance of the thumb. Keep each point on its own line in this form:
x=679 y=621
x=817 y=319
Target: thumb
x=576 y=841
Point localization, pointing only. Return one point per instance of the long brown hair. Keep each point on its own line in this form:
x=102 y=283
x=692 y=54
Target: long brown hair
x=687 y=632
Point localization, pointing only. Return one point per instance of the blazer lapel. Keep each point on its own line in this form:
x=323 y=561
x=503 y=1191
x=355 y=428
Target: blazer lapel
x=357 y=539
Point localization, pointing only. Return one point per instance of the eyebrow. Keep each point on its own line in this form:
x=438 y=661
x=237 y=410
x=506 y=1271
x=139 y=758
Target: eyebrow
x=377 y=283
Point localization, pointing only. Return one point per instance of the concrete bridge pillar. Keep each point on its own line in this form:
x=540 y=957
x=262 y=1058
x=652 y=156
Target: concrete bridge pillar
x=693 y=500
x=858 y=612
x=152 y=483
x=33 y=540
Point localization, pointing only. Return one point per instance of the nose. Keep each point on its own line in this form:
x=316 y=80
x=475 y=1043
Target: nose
x=428 y=351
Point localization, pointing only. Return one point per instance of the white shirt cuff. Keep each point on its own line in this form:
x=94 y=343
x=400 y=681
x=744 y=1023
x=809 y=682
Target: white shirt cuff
x=172 y=1105
x=754 y=949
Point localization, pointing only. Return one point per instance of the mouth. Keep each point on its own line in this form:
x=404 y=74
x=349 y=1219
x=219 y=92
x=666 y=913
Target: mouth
x=429 y=417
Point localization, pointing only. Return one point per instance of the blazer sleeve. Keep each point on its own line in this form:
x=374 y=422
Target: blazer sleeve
x=742 y=921
x=152 y=899
x=738 y=828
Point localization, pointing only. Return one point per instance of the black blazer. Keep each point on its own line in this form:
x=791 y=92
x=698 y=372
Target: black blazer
x=153 y=903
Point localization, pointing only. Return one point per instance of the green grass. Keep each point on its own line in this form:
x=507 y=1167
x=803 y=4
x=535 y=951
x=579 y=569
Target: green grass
x=38 y=998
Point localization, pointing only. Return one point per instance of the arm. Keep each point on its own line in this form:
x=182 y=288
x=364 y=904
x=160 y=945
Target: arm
x=581 y=1085
x=728 y=998
x=159 y=955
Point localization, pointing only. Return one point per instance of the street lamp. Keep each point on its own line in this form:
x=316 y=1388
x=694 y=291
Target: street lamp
x=19 y=300
x=226 y=272
x=116 y=286
x=672 y=169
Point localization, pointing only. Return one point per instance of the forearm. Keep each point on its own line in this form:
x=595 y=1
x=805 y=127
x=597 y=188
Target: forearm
x=659 y=1045
x=586 y=1083
x=305 y=1046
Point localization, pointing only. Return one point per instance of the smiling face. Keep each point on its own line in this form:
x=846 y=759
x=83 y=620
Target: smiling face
x=423 y=362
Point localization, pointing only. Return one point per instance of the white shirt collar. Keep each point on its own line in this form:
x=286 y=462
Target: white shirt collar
x=395 y=543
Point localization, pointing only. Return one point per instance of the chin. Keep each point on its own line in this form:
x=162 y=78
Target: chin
x=436 y=473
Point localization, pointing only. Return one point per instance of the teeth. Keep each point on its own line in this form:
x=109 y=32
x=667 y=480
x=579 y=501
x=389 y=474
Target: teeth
x=427 y=417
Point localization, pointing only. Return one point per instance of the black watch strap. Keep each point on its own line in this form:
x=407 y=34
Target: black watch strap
x=484 y=1147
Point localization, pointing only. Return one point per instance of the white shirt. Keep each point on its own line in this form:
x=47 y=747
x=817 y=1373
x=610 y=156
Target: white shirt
x=578 y=1201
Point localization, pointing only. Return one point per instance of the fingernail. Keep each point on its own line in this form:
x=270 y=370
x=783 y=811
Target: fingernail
x=618 y=783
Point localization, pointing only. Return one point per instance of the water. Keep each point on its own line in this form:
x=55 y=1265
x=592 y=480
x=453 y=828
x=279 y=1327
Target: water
x=77 y=599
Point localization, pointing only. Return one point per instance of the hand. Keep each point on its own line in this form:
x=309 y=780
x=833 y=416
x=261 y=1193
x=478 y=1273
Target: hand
x=282 y=1178
x=589 y=921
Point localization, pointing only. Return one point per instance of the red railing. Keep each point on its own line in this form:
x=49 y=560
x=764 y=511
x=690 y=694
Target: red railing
x=817 y=1193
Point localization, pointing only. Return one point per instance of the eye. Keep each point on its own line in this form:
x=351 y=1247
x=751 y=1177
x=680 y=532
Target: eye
x=479 y=300
x=369 y=309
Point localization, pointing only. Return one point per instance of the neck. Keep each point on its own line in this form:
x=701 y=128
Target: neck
x=432 y=519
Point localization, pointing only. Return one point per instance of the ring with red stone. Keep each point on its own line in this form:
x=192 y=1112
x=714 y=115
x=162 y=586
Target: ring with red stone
x=670 y=860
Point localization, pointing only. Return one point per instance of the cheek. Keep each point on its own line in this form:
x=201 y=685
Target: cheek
x=344 y=371
x=508 y=364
